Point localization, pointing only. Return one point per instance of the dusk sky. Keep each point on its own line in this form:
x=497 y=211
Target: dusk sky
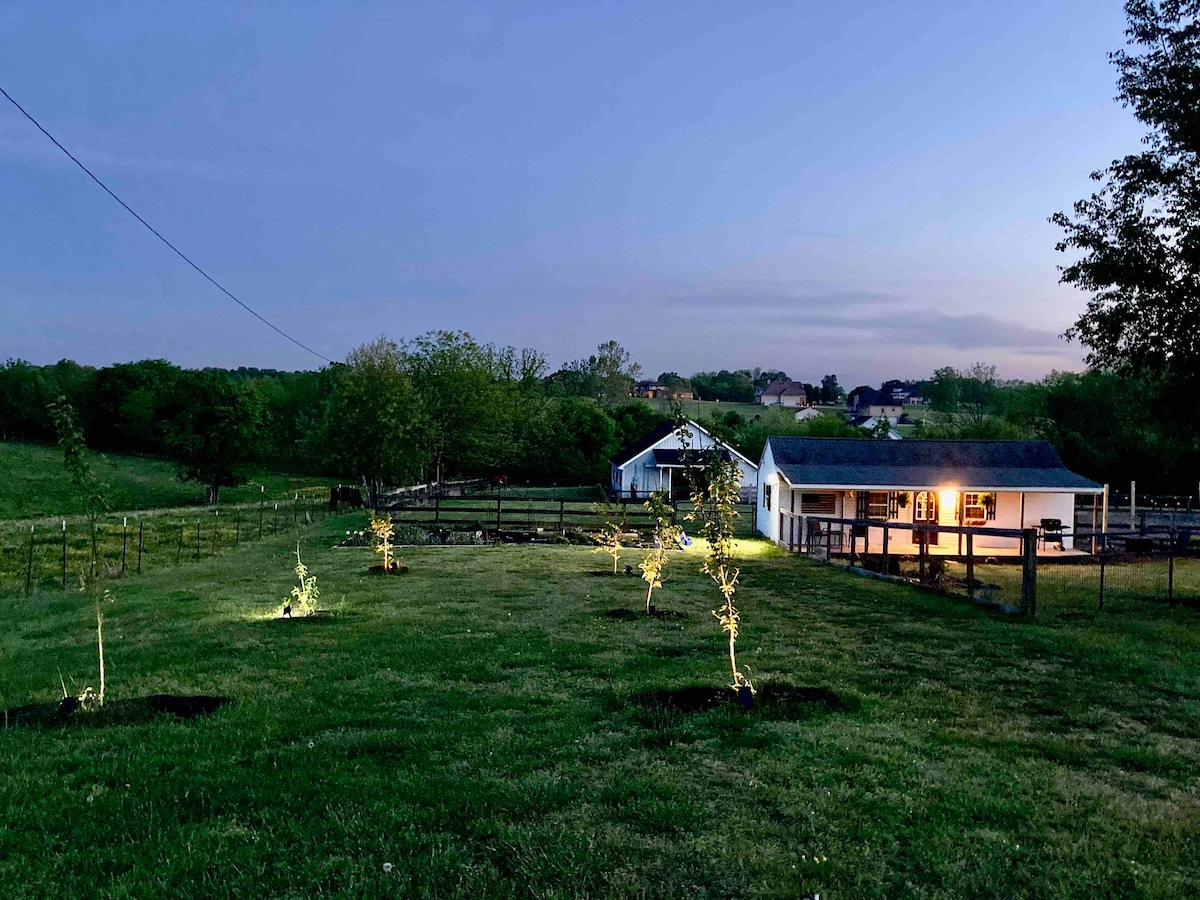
x=852 y=188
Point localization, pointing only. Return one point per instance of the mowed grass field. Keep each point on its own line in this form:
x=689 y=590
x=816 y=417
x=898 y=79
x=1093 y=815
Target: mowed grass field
x=33 y=484
x=468 y=730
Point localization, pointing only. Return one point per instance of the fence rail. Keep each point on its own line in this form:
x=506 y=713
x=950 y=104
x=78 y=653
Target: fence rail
x=523 y=514
x=1128 y=568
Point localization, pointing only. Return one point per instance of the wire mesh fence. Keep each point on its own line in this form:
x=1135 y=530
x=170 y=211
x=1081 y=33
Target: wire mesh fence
x=1127 y=569
x=57 y=553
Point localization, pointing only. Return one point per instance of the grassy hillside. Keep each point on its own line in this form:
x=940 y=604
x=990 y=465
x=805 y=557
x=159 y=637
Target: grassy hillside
x=33 y=484
x=470 y=730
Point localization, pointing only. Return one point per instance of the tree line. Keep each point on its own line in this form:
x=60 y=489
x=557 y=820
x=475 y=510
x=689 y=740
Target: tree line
x=438 y=406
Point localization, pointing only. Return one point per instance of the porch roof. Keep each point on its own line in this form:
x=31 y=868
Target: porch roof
x=846 y=464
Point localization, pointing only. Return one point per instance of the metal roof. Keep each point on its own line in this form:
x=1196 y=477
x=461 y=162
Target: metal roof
x=850 y=463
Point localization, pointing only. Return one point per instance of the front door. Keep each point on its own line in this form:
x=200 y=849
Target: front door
x=925 y=512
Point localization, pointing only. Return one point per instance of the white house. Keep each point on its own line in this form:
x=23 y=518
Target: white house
x=809 y=412
x=652 y=462
x=988 y=484
x=870 y=402
x=783 y=393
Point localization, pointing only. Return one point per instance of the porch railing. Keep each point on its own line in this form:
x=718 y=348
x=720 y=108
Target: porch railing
x=817 y=535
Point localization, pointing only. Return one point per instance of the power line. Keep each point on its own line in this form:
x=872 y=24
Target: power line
x=152 y=230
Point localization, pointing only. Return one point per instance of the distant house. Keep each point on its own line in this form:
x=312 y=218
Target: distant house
x=870 y=402
x=656 y=389
x=654 y=463
x=993 y=484
x=783 y=393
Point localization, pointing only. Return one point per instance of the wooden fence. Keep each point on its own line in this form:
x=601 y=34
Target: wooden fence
x=516 y=515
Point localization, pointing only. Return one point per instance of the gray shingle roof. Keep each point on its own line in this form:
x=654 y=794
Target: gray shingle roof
x=852 y=463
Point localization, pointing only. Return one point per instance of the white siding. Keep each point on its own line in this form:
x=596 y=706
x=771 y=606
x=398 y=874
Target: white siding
x=642 y=471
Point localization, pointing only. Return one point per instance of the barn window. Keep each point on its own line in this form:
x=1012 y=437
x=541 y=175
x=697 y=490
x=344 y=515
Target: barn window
x=819 y=504
x=767 y=496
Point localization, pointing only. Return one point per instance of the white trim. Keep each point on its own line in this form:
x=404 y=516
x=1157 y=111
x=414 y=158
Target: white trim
x=957 y=487
x=675 y=434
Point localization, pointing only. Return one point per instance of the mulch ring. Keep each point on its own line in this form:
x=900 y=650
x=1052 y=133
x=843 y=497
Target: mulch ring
x=656 y=613
x=396 y=569
x=775 y=701
x=133 y=711
x=317 y=615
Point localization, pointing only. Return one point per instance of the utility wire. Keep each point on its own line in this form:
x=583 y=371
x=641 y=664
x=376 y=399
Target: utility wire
x=152 y=230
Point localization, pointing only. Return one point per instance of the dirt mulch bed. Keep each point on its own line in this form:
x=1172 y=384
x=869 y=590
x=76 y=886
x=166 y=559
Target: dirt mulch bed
x=656 y=613
x=134 y=711
x=317 y=615
x=775 y=701
x=394 y=570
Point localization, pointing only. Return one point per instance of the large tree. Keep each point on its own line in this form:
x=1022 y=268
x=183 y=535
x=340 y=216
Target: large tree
x=1138 y=236
x=607 y=376
x=372 y=428
x=214 y=431
x=464 y=407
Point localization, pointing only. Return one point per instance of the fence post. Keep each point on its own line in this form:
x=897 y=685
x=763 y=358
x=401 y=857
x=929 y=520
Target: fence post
x=498 y=501
x=29 y=565
x=562 y=506
x=853 y=544
x=922 y=552
x=887 y=569
x=970 y=566
x=437 y=507
x=141 y=525
x=1029 y=573
x=124 y=541
x=1171 y=566
x=64 y=556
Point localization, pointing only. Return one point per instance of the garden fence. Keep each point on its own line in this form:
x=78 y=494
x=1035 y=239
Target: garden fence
x=502 y=514
x=56 y=553
x=1126 y=569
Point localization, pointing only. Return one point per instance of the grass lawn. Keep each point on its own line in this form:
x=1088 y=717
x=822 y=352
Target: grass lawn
x=470 y=725
x=33 y=484
x=701 y=409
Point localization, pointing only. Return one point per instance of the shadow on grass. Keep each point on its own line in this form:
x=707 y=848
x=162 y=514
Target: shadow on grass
x=773 y=701
x=134 y=711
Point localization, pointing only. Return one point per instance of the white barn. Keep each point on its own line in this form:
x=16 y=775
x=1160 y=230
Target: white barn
x=652 y=462
x=988 y=484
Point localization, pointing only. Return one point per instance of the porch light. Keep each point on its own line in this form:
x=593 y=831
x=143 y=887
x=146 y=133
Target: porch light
x=947 y=498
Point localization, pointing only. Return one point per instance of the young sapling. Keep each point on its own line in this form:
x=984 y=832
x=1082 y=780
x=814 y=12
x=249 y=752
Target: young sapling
x=666 y=536
x=612 y=533
x=303 y=596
